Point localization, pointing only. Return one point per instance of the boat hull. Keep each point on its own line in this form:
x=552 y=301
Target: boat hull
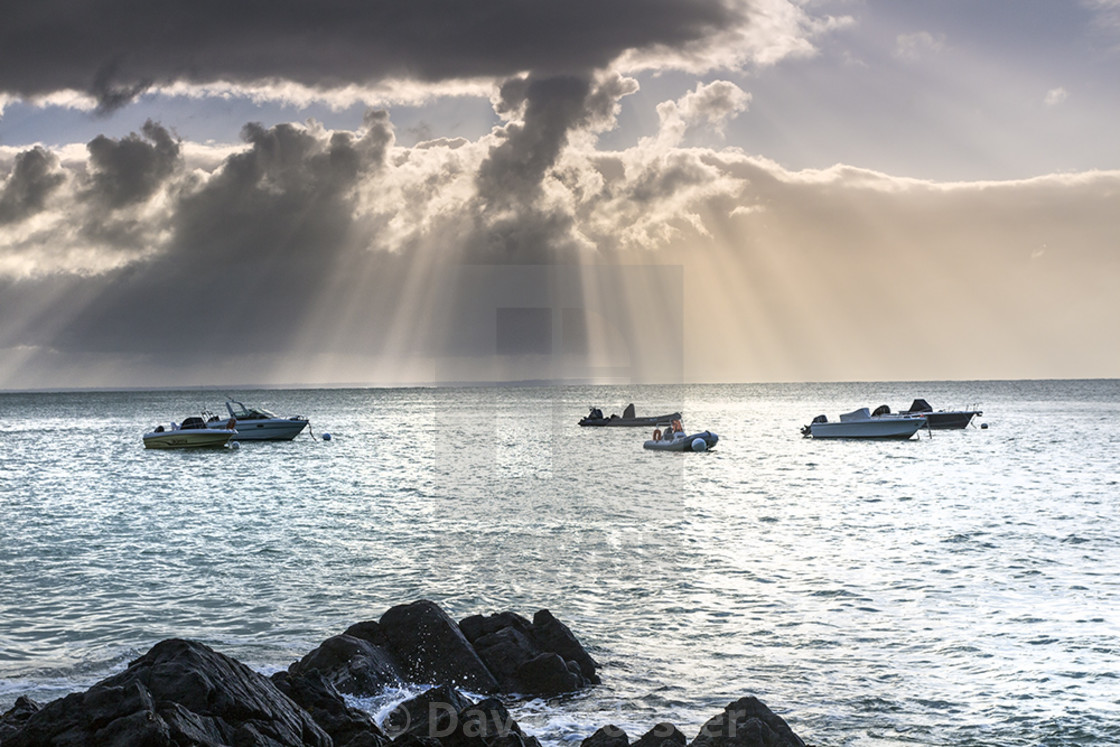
x=617 y=422
x=950 y=419
x=684 y=443
x=886 y=428
x=188 y=439
x=940 y=419
x=272 y=429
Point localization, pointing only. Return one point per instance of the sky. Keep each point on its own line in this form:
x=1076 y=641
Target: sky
x=337 y=192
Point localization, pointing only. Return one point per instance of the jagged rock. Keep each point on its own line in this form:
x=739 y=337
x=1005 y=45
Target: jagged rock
x=548 y=674
x=346 y=725
x=662 y=735
x=411 y=740
x=352 y=664
x=541 y=657
x=553 y=635
x=445 y=715
x=488 y=724
x=369 y=630
x=477 y=626
x=419 y=643
x=430 y=714
x=746 y=723
x=503 y=651
x=179 y=693
x=432 y=648
x=16 y=716
x=607 y=736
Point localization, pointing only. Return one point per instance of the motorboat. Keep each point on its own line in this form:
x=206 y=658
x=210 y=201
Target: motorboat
x=674 y=438
x=629 y=419
x=862 y=424
x=256 y=424
x=942 y=419
x=192 y=433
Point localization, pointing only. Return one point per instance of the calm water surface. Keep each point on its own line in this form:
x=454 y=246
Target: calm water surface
x=957 y=589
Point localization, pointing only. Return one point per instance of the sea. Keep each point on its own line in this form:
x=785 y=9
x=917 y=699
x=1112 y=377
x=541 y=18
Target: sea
x=958 y=588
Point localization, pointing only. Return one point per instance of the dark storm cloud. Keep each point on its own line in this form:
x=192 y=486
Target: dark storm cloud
x=512 y=225
x=130 y=170
x=114 y=49
x=34 y=176
x=553 y=106
x=251 y=249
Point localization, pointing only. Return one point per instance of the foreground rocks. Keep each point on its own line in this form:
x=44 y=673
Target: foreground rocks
x=418 y=642
x=184 y=693
x=179 y=693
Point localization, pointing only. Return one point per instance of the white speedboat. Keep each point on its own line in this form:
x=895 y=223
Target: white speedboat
x=193 y=433
x=255 y=424
x=674 y=438
x=862 y=424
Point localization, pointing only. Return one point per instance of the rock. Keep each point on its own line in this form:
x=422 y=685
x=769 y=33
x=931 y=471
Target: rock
x=16 y=716
x=662 y=735
x=553 y=635
x=411 y=740
x=444 y=716
x=432 y=649
x=180 y=692
x=351 y=664
x=488 y=724
x=347 y=726
x=371 y=631
x=419 y=643
x=746 y=723
x=512 y=648
x=430 y=714
x=477 y=626
x=607 y=736
x=503 y=651
x=547 y=674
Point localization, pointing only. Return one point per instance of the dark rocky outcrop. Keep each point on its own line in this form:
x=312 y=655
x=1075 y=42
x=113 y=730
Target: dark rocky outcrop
x=346 y=725
x=184 y=693
x=352 y=664
x=16 y=716
x=746 y=723
x=607 y=736
x=445 y=715
x=541 y=657
x=662 y=735
x=419 y=643
x=432 y=648
x=429 y=714
x=179 y=693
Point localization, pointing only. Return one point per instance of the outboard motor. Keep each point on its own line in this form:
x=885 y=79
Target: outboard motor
x=808 y=429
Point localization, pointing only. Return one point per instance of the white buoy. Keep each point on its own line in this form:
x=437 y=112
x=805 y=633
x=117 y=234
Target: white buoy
x=235 y=445
x=699 y=444
x=326 y=437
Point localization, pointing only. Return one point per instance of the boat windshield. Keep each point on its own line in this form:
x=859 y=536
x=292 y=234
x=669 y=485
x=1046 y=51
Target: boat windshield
x=241 y=412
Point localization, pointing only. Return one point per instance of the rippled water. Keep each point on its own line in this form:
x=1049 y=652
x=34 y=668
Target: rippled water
x=957 y=589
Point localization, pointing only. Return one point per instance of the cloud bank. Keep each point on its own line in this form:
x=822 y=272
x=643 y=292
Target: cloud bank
x=308 y=244
x=311 y=254
x=111 y=52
